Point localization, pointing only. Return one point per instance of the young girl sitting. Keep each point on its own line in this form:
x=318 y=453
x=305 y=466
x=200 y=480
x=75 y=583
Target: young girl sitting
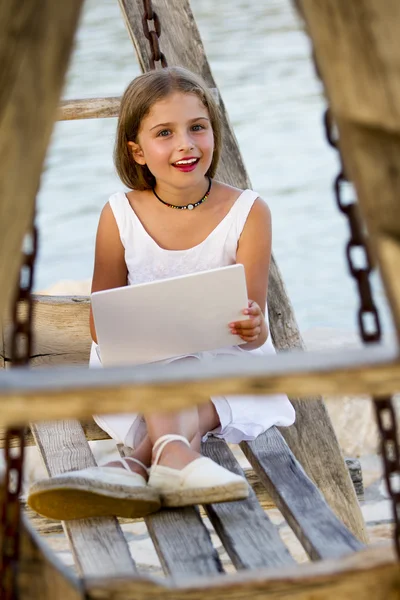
x=175 y=220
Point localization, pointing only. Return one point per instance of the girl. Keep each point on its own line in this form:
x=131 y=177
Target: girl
x=176 y=219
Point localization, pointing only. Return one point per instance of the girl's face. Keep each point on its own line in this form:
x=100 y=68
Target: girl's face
x=176 y=141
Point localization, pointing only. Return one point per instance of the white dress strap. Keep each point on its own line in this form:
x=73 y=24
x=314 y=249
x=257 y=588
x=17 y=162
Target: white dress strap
x=120 y=207
x=243 y=206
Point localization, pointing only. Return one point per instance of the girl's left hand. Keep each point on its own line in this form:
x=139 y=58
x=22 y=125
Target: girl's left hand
x=250 y=329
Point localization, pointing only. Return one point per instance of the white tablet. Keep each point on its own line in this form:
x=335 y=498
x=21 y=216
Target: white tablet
x=173 y=317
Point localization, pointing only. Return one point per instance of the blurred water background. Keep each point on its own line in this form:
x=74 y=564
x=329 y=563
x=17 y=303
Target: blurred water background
x=260 y=59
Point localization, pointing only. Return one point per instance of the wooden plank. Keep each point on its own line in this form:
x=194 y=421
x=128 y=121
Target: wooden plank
x=89 y=108
x=94 y=433
x=301 y=503
x=58 y=393
x=372 y=573
x=91 y=430
x=249 y=537
x=47 y=527
x=95 y=108
x=357 y=45
x=98 y=545
x=182 y=541
x=61 y=326
x=41 y=574
x=36 y=40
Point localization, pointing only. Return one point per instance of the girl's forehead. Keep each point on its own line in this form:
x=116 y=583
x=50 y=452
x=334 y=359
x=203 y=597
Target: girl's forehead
x=177 y=106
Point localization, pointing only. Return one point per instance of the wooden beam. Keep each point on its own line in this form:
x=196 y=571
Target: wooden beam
x=249 y=537
x=299 y=501
x=88 y=108
x=61 y=331
x=96 y=108
x=91 y=430
x=35 y=44
x=60 y=393
x=372 y=573
x=357 y=50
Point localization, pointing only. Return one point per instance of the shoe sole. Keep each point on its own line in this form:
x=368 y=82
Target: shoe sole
x=75 y=502
x=212 y=495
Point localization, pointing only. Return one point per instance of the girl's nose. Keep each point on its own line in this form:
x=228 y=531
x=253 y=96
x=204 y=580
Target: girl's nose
x=185 y=143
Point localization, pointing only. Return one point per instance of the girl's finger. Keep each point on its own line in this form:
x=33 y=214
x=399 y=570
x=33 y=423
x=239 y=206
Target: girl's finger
x=251 y=333
x=252 y=312
x=249 y=339
x=245 y=325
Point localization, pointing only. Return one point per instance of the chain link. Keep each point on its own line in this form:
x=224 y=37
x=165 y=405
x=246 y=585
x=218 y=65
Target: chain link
x=150 y=16
x=21 y=347
x=370 y=330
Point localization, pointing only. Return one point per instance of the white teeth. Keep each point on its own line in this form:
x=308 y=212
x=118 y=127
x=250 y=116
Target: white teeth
x=190 y=161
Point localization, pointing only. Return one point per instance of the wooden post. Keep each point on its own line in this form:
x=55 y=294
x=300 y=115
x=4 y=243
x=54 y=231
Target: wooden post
x=35 y=43
x=318 y=450
x=357 y=50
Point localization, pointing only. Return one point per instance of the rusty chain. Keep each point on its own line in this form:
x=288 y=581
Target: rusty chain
x=370 y=331
x=21 y=346
x=150 y=17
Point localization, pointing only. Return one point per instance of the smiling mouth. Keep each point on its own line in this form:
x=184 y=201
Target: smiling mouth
x=186 y=162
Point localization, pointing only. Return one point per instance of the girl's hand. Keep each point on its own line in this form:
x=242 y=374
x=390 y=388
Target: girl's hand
x=253 y=329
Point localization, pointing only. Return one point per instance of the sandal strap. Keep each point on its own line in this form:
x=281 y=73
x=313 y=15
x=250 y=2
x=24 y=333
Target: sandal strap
x=124 y=460
x=164 y=440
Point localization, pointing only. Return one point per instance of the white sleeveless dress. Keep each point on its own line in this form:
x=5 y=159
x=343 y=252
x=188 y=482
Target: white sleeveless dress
x=241 y=417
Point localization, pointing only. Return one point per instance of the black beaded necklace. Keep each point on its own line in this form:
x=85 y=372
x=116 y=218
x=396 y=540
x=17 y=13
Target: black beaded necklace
x=187 y=206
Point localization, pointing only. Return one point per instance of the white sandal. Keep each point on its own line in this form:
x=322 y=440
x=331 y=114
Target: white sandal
x=200 y=482
x=94 y=492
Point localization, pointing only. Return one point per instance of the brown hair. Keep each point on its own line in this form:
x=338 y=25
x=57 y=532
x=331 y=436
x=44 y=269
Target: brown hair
x=139 y=97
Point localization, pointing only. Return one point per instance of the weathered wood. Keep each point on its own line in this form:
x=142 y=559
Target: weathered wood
x=58 y=393
x=182 y=541
x=35 y=44
x=89 y=108
x=41 y=575
x=98 y=545
x=369 y=574
x=62 y=335
x=250 y=539
x=91 y=430
x=301 y=503
x=96 y=108
x=47 y=526
x=357 y=44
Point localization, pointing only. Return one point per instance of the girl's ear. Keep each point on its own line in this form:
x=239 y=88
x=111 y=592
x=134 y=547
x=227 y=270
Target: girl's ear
x=137 y=153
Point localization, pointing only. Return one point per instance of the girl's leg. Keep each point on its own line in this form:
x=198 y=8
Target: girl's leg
x=191 y=424
x=142 y=453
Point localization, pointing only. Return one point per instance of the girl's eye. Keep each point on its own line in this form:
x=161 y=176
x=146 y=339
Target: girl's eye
x=163 y=133
x=197 y=127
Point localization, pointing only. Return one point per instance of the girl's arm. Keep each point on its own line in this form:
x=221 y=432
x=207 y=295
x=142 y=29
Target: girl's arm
x=254 y=252
x=109 y=264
